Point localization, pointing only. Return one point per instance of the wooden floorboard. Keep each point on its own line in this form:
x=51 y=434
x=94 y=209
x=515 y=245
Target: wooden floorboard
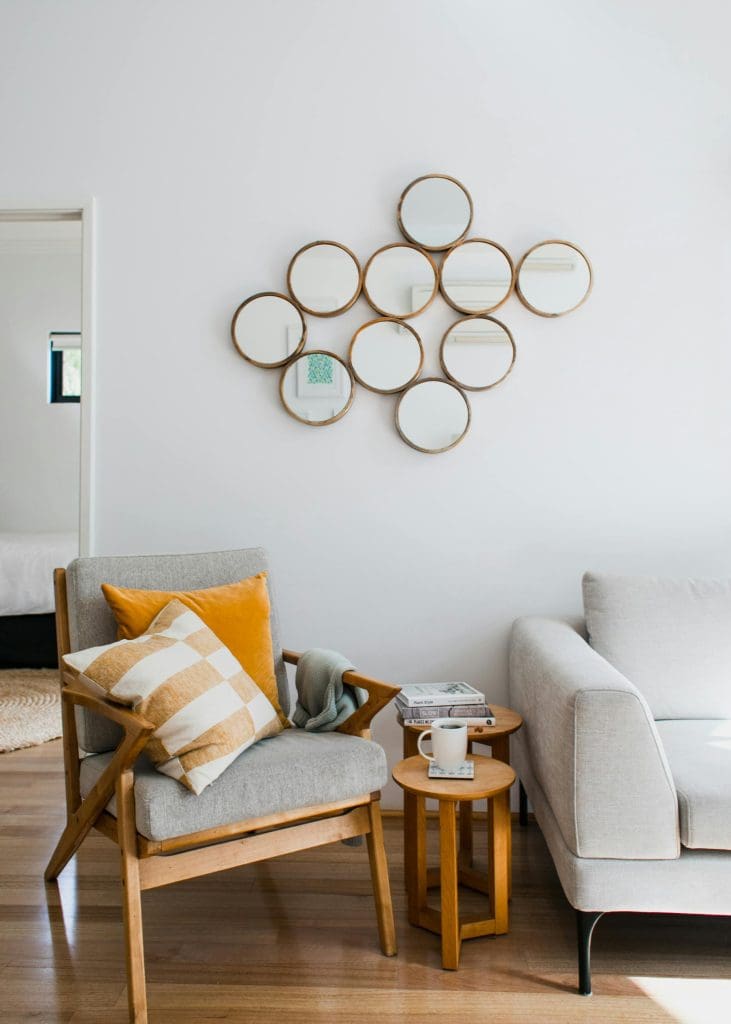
x=296 y=939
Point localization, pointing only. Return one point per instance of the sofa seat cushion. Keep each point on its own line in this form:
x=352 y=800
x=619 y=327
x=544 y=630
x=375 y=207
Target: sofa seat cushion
x=670 y=637
x=294 y=769
x=699 y=753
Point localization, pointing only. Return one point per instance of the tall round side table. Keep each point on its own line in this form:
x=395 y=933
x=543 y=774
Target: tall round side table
x=492 y=782
x=497 y=737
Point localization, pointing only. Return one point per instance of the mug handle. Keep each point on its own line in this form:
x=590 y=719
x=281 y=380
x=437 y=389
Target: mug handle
x=423 y=736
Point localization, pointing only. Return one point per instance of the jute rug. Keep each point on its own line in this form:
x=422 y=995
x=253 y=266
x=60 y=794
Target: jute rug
x=30 y=707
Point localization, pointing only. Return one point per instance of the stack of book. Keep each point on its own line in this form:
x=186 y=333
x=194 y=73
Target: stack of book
x=421 y=703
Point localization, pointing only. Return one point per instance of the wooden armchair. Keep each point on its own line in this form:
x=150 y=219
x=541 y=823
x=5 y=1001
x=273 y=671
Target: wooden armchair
x=144 y=812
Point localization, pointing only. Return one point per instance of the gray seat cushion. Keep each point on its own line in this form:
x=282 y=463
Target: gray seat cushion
x=670 y=637
x=291 y=770
x=92 y=623
x=699 y=753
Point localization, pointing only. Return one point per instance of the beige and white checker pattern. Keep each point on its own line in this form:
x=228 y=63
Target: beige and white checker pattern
x=178 y=674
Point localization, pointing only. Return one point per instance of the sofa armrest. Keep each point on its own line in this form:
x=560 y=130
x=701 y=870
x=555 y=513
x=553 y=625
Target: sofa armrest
x=592 y=746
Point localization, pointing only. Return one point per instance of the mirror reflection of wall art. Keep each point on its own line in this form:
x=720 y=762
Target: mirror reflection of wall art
x=401 y=279
x=316 y=388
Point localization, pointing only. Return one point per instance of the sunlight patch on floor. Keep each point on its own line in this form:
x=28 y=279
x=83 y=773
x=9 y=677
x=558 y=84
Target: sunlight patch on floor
x=689 y=1000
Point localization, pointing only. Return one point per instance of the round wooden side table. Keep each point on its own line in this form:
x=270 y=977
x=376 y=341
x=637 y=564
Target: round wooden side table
x=497 y=737
x=492 y=782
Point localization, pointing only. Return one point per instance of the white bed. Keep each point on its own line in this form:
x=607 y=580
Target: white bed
x=27 y=561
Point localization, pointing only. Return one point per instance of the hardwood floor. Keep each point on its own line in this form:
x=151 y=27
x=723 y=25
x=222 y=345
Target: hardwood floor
x=296 y=939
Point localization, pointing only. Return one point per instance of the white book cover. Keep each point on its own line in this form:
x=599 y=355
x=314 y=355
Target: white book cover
x=416 y=695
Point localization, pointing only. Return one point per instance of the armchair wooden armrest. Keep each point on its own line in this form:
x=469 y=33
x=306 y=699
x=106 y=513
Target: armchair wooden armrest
x=379 y=695
x=131 y=721
x=83 y=814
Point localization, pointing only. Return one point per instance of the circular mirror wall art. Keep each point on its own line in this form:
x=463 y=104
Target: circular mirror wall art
x=433 y=415
x=324 y=278
x=476 y=276
x=477 y=352
x=400 y=280
x=554 y=278
x=316 y=388
x=435 y=211
x=268 y=329
x=386 y=355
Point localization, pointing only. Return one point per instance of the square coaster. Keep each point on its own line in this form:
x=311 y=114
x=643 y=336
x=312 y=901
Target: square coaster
x=466 y=770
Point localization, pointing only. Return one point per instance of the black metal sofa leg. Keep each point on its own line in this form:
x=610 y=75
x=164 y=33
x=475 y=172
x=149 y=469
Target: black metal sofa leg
x=585 y=923
x=522 y=805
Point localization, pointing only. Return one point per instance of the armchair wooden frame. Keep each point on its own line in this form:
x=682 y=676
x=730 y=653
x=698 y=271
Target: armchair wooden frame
x=147 y=865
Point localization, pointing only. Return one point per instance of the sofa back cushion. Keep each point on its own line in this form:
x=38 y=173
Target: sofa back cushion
x=670 y=637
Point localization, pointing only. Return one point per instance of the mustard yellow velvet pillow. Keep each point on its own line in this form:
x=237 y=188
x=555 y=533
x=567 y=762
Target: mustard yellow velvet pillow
x=238 y=614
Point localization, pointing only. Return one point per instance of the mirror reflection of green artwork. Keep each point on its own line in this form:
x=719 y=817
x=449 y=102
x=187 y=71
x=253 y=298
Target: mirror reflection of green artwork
x=320 y=369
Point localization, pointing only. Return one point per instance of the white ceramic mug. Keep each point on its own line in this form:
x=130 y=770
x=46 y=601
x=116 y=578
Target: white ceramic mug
x=449 y=742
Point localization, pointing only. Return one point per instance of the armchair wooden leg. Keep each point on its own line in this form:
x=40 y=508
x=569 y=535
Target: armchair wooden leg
x=131 y=900
x=379 y=878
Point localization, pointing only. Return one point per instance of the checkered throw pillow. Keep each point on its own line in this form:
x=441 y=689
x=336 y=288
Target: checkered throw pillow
x=205 y=708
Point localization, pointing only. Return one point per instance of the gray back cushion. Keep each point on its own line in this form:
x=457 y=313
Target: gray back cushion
x=91 y=622
x=670 y=637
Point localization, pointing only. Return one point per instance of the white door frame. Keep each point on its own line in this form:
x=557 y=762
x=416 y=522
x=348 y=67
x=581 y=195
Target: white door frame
x=86 y=210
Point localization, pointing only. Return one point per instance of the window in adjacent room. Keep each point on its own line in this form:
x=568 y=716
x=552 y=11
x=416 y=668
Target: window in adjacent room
x=65 y=366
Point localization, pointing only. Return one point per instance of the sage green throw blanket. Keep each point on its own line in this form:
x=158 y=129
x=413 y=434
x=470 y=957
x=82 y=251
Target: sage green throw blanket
x=324 y=701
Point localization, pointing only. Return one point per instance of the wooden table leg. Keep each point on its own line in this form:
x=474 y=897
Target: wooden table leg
x=501 y=752
x=499 y=813
x=450 y=902
x=465 y=834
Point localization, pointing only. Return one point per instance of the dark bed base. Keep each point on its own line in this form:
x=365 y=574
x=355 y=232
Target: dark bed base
x=28 y=641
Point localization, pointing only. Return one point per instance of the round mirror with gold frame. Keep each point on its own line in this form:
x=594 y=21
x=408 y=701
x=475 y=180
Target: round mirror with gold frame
x=477 y=352
x=435 y=212
x=317 y=388
x=400 y=280
x=476 y=276
x=433 y=415
x=386 y=355
x=268 y=329
x=554 y=278
x=324 y=278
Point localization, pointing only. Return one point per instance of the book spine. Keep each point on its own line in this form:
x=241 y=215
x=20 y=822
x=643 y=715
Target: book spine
x=444 y=711
x=470 y=720
x=428 y=701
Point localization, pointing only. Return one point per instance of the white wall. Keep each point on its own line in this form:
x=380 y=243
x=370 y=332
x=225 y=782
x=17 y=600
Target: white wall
x=40 y=292
x=220 y=138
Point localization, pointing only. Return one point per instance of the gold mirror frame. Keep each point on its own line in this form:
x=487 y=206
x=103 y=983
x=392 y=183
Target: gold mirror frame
x=415 y=241
x=340 y=309
x=281 y=362
x=487 y=309
x=449 y=384
x=406 y=327
x=461 y=384
x=333 y=419
x=389 y=314
x=524 y=257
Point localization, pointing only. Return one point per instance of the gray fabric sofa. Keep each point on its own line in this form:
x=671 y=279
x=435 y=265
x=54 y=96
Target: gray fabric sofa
x=625 y=753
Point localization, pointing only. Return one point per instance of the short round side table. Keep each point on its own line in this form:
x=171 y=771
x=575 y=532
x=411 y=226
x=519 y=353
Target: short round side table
x=492 y=782
x=497 y=737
